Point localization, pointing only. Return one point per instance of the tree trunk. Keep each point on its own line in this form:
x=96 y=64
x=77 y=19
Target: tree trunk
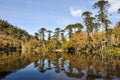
x=103 y=27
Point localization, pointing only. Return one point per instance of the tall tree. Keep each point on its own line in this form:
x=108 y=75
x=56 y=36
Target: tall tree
x=89 y=22
x=62 y=36
x=87 y=17
x=57 y=33
x=70 y=31
x=96 y=26
x=107 y=22
x=42 y=33
x=119 y=10
x=49 y=34
x=36 y=35
x=79 y=26
x=102 y=5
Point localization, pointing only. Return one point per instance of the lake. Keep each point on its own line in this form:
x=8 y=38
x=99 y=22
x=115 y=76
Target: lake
x=57 y=66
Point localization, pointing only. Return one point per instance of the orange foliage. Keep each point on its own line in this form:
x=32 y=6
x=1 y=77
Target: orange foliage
x=80 y=38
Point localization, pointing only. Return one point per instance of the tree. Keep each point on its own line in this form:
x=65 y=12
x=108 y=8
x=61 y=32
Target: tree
x=42 y=33
x=49 y=34
x=5 y=24
x=79 y=26
x=116 y=31
x=119 y=10
x=70 y=31
x=107 y=22
x=96 y=26
x=102 y=5
x=62 y=36
x=36 y=36
x=88 y=22
x=118 y=24
x=92 y=24
x=57 y=33
x=109 y=34
x=1 y=29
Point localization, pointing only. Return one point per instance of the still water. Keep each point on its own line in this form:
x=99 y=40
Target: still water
x=57 y=66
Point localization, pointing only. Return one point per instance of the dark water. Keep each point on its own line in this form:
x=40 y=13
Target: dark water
x=57 y=66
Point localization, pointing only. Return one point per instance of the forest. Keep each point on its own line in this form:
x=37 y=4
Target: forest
x=98 y=35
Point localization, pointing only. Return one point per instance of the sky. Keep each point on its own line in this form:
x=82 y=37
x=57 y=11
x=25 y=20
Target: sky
x=31 y=15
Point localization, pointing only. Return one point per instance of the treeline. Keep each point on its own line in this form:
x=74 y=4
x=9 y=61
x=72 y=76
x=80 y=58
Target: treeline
x=9 y=30
x=12 y=36
x=74 y=37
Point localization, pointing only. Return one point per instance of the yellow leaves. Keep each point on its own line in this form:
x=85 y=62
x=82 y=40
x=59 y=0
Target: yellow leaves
x=77 y=39
x=80 y=38
x=28 y=46
x=31 y=42
x=67 y=44
x=51 y=46
x=97 y=36
x=116 y=31
x=8 y=40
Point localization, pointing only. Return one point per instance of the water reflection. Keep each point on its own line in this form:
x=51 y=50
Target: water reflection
x=11 y=62
x=52 y=66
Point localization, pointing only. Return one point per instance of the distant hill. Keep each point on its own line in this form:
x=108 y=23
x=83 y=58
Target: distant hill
x=12 y=35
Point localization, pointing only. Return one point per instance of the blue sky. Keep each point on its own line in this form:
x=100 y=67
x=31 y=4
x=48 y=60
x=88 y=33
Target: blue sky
x=31 y=15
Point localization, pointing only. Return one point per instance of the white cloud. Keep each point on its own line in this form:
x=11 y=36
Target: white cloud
x=75 y=12
x=115 y=5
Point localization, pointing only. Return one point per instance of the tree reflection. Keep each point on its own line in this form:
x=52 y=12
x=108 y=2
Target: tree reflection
x=35 y=63
x=11 y=62
x=95 y=66
x=49 y=64
x=80 y=67
x=42 y=66
x=72 y=72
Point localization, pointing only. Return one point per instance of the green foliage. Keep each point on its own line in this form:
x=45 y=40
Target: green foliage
x=70 y=28
x=102 y=6
x=119 y=10
x=42 y=33
x=49 y=34
x=9 y=30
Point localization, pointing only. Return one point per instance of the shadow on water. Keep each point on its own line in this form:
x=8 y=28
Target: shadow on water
x=67 y=65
